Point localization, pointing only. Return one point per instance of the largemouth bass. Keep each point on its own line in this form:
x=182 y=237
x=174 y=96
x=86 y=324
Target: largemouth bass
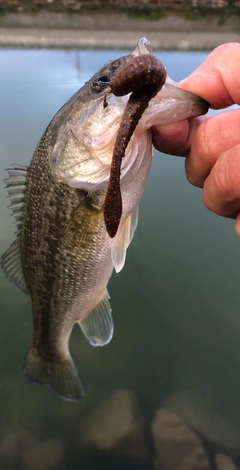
x=63 y=255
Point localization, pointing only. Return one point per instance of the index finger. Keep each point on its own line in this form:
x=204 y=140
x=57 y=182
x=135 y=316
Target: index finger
x=217 y=78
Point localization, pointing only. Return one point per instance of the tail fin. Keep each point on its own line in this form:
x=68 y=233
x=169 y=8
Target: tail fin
x=62 y=376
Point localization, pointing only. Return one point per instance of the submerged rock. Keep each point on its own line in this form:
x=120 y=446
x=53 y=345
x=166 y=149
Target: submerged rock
x=199 y=411
x=44 y=456
x=8 y=449
x=116 y=426
x=223 y=462
x=176 y=446
x=13 y=443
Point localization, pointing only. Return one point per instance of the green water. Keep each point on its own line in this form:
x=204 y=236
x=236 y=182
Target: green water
x=176 y=305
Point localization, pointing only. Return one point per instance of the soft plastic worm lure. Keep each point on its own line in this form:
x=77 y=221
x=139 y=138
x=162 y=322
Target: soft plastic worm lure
x=144 y=76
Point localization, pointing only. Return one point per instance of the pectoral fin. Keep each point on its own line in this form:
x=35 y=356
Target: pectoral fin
x=98 y=325
x=123 y=239
x=134 y=223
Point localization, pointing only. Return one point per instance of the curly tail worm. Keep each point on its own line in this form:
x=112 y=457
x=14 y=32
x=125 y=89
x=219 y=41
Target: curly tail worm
x=144 y=76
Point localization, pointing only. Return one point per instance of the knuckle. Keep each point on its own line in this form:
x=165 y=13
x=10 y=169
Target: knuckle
x=202 y=154
x=227 y=173
x=221 y=191
x=222 y=176
x=206 y=140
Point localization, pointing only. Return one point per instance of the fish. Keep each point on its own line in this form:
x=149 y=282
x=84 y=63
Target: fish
x=68 y=241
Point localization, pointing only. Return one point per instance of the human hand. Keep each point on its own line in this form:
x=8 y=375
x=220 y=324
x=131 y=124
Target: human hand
x=211 y=144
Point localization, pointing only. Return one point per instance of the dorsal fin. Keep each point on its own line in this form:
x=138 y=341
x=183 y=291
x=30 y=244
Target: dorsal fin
x=11 y=260
x=16 y=185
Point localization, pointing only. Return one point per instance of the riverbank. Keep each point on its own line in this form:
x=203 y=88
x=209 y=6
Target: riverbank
x=114 y=30
x=100 y=39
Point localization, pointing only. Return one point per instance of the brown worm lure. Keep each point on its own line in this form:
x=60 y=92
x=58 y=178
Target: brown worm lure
x=143 y=77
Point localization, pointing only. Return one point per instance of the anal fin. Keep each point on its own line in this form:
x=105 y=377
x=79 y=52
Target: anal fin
x=98 y=325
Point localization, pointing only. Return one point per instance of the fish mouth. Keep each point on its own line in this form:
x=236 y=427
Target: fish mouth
x=172 y=104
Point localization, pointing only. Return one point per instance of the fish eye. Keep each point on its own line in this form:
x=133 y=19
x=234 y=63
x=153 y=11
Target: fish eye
x=101 y=83
x=104 y=79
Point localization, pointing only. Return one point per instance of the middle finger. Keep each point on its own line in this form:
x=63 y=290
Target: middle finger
x=214 y=136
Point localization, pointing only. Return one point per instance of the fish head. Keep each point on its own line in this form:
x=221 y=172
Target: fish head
x=83 y=132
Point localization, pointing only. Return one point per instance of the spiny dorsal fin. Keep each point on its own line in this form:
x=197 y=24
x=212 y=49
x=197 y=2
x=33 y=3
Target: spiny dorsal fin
x=122 y=240
x=15 y=185
x=98 y=325
x=11 y=265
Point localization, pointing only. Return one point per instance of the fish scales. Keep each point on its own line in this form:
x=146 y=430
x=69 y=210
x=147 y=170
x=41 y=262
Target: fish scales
x=63 y=256
x=52 y=205
x=56 y=261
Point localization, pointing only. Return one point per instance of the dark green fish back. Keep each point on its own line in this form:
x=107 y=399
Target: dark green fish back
x=47 y=208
